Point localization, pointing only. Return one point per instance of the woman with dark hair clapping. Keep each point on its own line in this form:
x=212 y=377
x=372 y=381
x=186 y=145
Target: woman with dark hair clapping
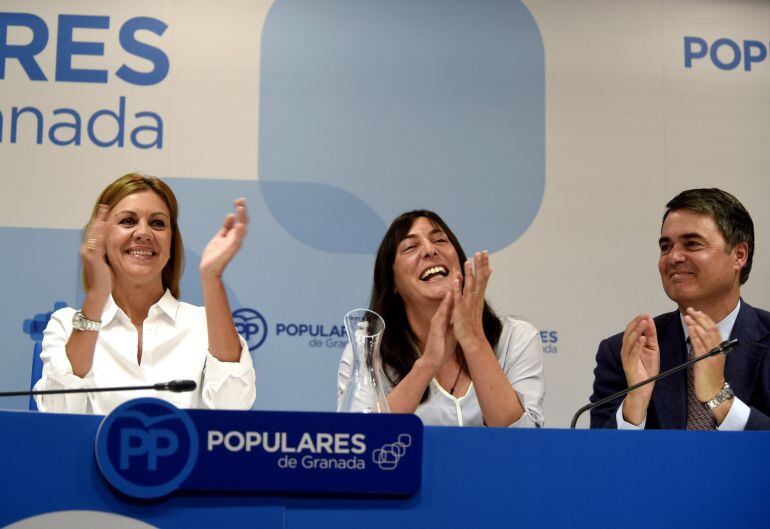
x=447 y=357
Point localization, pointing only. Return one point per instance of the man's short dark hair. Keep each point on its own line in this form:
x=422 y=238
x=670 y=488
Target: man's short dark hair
x=732 y=219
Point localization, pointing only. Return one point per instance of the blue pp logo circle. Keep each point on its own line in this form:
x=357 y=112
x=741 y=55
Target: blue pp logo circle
x=146 y=448
x=252 y=326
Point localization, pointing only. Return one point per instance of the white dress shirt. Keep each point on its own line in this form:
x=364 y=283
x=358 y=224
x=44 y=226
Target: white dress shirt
x=520 y=354
x=738 y=415
x=174 y=346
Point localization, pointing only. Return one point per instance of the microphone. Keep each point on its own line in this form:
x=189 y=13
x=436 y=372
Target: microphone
x=176 y=386
x=724 y=347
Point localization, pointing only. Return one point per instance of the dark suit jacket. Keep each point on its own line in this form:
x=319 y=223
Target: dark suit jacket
x=747 y=369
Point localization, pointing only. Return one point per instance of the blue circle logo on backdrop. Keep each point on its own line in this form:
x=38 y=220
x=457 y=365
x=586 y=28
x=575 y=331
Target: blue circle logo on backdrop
x=252 y=326
x=146 y=447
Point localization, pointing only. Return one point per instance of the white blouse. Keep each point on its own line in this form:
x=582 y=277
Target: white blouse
x=520 y=354
x=174 y=346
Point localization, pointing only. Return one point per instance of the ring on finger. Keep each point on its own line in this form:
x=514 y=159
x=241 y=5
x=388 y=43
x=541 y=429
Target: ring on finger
x=91 y=244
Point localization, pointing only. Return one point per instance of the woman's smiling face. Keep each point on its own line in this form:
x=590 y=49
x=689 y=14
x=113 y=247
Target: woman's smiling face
x=139 y=238
x=425 y=265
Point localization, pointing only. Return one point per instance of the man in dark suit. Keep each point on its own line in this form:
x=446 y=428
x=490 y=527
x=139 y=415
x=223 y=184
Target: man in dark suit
x=706 y=250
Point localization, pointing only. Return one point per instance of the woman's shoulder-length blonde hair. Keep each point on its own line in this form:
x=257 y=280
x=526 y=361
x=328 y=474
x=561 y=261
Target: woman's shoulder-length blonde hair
x=135 y=183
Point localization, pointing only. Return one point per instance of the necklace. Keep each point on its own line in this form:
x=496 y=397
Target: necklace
x=457 y=378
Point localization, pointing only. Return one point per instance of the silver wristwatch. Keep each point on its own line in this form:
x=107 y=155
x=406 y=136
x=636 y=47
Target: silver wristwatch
x=81 y=323
x=722 y=396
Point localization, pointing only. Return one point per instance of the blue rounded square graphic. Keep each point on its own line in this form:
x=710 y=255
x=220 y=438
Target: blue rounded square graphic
x=371 y=108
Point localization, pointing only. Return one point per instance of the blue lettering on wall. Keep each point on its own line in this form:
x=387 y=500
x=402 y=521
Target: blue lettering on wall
x=25 y=53
x=120 y=121
x=75 y=126
x=111 y=124
x=66 y=48
x=549 y=336
x=16 y=114
x=736 y=54
x=750 y=58
x=144 y=134
x=694 y=48
x=140 y=49
x=157 y=129
x=725 y=53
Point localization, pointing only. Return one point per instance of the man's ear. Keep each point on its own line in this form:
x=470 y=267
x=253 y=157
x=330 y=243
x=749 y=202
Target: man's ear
x=741 y=253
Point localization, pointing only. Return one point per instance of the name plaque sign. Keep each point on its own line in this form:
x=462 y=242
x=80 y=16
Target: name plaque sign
x=147 y=448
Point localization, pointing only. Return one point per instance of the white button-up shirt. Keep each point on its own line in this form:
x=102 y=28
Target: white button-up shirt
x=174 y=346
x=519 y=352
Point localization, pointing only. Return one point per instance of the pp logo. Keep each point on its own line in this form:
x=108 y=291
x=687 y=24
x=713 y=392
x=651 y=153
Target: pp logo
x=252 y=326
x=390 y=454
x=146 y=448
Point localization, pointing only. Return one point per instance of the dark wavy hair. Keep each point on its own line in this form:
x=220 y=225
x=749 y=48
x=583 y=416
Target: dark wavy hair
x=731 y=218
x=400 y=348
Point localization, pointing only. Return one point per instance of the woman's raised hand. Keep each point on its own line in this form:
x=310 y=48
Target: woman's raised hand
x=437 y=348
x=468 y=301
x=80 y=345
x=226 y=243
x=98 y=272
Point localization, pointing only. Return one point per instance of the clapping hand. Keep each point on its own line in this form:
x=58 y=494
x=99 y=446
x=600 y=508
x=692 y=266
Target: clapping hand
x=704 y=336
x=98 y=273
x=640 y=355
x=437 y=346
x=468 y=300
x=226 y=243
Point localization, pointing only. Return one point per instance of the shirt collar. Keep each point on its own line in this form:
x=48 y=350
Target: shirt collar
x=168 y=304
x=109 y=312
x=725 y=326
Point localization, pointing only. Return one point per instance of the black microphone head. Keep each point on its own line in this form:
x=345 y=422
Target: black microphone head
x=180 y=386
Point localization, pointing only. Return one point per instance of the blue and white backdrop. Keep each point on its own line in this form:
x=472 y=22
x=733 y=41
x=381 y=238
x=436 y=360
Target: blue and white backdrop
x=549 y=133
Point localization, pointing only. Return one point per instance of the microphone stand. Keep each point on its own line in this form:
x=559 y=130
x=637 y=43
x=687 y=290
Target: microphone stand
x=724 y=347
x=175 y=386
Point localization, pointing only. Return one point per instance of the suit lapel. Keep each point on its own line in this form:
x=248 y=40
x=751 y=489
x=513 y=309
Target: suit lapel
x=741 y=365
x=669 y=397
